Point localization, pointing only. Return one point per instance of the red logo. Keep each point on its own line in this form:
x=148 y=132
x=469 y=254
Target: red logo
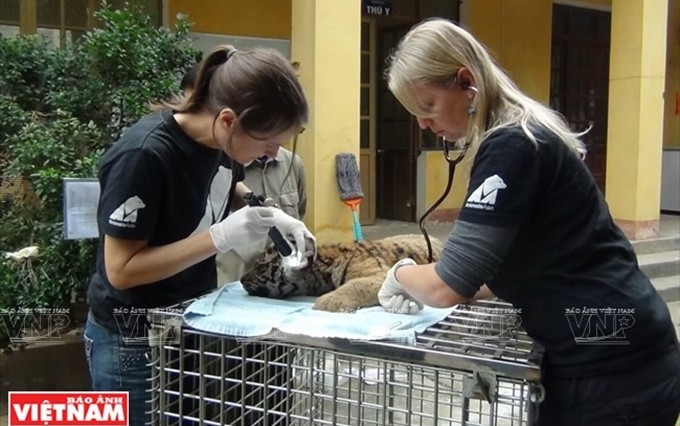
x=68 y=408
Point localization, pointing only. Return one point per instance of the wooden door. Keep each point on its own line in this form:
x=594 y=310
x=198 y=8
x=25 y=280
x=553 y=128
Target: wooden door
x=579 y=82
x=395 y=143
x=367 y=120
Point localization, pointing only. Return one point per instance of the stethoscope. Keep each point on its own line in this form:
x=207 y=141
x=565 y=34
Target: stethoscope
x=453 y=159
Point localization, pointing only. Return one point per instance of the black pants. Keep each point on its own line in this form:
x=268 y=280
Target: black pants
x=648 y=395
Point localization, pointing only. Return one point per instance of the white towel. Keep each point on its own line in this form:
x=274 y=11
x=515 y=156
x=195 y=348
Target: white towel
x=230 y=311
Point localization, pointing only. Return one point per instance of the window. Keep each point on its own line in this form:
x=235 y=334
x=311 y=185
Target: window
x=9 y=17
x=61 y=21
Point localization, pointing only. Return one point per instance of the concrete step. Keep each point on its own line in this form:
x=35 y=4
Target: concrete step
x=668 y=287
x=657 y=245
x=661 y=264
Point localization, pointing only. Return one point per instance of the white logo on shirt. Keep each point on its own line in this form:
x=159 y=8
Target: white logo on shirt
x=216 y=203
x=126 y=214
x=484 y=197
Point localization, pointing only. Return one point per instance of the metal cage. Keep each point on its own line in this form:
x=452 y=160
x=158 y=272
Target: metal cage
x=473 y=368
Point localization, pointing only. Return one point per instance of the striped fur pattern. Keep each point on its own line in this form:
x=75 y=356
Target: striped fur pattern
x=344 y=276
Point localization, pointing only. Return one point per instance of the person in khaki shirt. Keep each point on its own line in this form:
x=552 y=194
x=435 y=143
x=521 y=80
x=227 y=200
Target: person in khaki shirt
x=270 y=178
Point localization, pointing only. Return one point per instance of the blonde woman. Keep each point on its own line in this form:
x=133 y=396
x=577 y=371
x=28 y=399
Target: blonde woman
x=535 y=231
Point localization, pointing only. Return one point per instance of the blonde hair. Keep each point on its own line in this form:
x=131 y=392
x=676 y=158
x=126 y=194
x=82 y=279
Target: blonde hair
x=433 y=51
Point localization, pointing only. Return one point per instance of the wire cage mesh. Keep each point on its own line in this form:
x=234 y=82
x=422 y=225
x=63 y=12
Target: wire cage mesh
x=473 y=368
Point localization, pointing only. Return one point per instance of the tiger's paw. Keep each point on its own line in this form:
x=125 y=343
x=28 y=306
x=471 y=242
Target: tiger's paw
x=335 y=303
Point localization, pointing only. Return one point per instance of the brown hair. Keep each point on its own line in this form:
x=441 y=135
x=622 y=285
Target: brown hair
x=259 y=85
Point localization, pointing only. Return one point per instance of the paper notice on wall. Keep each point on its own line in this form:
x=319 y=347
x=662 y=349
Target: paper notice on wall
x=81 y=197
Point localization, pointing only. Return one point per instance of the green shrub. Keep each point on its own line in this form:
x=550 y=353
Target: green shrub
x=134 y=63
x=12 y=119
x=59 y=110
x=53 y=147
x=22 y=77
x=73 y=88
x=9 y=294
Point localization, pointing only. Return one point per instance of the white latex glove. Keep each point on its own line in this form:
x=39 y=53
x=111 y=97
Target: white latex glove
x=291 y=227
x=244 y=227
x=392 y=295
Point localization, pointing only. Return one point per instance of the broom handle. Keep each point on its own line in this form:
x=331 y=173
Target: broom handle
x=358 y=236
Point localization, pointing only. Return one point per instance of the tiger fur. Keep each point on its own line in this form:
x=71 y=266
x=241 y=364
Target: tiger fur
x=344 y=276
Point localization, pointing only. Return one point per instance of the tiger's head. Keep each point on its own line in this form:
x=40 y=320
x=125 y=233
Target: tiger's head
x=272 y=276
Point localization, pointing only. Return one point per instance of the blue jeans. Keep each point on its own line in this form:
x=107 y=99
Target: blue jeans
x=115 y=366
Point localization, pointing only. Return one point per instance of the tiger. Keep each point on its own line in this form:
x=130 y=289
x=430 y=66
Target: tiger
x=344 y=276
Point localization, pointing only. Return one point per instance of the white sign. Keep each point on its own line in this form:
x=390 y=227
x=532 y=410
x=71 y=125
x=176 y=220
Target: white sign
x=81 y=197
x=377 y=7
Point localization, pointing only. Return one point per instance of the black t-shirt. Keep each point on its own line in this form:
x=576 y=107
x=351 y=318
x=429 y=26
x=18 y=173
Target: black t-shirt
x=158 y=184
x=570 y=272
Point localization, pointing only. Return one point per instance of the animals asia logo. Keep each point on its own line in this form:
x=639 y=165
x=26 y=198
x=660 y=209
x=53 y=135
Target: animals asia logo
x=125 y=215
x=68 y=408
x=484 y=197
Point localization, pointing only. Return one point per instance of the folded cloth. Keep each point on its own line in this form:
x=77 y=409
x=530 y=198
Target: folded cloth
x=231 y=311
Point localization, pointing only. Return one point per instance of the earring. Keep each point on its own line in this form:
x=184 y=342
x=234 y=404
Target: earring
x=472 y=109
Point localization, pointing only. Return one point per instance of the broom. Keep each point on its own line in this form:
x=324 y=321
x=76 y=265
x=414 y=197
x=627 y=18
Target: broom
x=349 y=183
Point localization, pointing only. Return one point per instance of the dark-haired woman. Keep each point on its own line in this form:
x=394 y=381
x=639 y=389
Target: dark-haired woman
x=172 y=197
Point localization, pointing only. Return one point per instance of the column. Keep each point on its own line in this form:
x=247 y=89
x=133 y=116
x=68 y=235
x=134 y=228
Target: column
x=325 y=40
x=27 y=16
x=636 y=111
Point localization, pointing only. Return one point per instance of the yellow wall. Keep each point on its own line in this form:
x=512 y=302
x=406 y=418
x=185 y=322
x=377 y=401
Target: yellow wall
x=671 y=135
x=518 y=32
x=635 y=128
x=437 y=175
x=253 y=18
x=326 y=41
